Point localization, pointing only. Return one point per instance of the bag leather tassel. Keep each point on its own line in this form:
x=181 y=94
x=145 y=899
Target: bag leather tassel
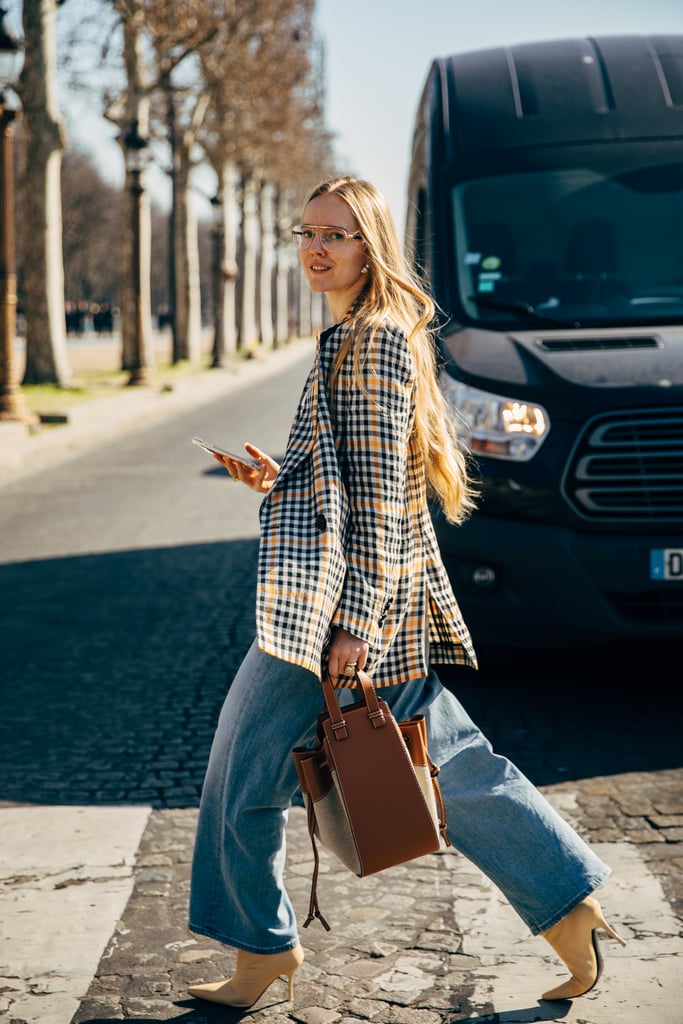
x=313 y=908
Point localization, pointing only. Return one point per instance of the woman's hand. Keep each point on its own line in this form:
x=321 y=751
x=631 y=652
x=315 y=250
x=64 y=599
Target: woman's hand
x=346 y=653
x=260 y=479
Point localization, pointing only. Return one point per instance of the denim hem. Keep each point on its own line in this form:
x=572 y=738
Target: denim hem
x=237 y=944
x=572 y=904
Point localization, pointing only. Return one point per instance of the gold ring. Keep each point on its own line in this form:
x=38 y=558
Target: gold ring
x=351 y=664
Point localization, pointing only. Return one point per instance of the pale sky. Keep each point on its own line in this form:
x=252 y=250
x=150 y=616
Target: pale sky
x=378 y=53
x=377 y=56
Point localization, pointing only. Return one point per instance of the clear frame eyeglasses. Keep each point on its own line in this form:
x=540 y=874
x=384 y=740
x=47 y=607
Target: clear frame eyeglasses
x=332 y=239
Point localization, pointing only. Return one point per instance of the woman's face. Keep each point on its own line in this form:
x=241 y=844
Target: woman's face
x=337 y=273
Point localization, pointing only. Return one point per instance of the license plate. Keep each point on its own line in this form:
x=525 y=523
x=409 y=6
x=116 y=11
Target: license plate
x=666 y=564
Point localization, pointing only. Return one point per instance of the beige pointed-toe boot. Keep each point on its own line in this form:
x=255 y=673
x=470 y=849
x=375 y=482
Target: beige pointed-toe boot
x=254 y=973
x=575 y=941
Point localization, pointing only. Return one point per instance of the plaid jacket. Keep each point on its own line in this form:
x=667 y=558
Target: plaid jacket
x=346 y=535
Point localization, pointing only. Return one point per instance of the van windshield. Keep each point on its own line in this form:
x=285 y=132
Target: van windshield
x=572 y=246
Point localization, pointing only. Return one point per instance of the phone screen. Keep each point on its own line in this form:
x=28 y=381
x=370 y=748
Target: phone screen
x=212 y=449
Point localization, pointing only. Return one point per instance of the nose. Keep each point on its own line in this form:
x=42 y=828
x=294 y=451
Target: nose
x=317 y=245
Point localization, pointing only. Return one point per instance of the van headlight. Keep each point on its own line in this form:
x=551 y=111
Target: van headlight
x=502 y=428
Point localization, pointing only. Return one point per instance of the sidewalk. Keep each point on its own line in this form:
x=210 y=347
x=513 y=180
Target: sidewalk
x=90 y=422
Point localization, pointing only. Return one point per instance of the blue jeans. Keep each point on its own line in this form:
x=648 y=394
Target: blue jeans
x=496 y=817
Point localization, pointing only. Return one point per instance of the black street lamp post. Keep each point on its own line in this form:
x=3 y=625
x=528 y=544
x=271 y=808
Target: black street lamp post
x=11 y=399
x=218 y=353
x=135 y=147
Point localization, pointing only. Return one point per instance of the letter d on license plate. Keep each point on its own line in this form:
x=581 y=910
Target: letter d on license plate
x=666 y=564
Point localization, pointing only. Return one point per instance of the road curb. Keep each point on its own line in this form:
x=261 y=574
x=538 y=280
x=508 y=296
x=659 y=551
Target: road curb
x=24 y=451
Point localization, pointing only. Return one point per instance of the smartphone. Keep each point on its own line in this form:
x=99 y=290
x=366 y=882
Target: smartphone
x=215 y=449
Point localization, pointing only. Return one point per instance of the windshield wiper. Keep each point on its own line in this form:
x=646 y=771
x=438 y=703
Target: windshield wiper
x=524 y=309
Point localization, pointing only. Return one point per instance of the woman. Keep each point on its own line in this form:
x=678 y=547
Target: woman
x=350 y=575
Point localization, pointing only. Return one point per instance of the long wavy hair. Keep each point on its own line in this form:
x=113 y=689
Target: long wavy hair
x=393 y=293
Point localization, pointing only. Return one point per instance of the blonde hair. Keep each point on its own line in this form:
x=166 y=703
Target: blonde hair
x=392 y=293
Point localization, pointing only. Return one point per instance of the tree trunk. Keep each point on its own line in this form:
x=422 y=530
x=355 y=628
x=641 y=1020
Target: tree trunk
x=283 y=263
x=225 y=267
x=304 y=307
x=281 y=295
x=186 y=253
x=267 y=261
x=248 y=330
x=44 y=139
x=172 y=227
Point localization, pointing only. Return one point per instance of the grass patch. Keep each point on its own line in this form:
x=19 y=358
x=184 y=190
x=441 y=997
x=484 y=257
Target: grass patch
x=88 y=385
x=101 y=383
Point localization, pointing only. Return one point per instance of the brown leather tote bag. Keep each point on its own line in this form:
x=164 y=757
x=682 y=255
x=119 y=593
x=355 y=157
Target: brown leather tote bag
x=369 y=787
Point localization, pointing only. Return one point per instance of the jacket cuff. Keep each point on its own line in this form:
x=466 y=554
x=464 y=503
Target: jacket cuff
x=366 y=627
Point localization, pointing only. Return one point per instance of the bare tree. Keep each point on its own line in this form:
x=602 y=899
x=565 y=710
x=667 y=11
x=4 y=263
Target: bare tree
x=298 y=156
x=245 y=89
x=177 y=31
x=153 y=98
x=258 y=68
x=225 y=73
x=184 y=251
x=130 y=113
x=44 y=139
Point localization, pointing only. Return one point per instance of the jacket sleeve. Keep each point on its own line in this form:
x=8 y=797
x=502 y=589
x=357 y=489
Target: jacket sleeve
x=373 y=425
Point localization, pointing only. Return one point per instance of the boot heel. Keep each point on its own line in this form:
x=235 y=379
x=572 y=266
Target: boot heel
x=603 y=926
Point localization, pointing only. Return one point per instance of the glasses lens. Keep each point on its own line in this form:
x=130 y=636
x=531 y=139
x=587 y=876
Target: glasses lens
x=333 y=240
x=330 y=238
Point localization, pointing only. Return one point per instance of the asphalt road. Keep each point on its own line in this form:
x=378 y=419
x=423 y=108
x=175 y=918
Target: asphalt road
x=127 y=590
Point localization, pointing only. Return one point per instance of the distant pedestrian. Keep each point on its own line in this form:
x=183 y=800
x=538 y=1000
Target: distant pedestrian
x=350 y=576
x=102 y=318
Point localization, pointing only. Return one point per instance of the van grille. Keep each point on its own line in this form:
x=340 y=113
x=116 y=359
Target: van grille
x=656 y=607
x=628 y=467
x=604 y=344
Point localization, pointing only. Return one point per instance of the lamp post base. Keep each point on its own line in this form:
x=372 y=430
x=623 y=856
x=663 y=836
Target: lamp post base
x=13 y=409
x=141 y=376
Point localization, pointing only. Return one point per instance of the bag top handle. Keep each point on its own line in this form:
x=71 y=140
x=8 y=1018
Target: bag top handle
x=369 y=698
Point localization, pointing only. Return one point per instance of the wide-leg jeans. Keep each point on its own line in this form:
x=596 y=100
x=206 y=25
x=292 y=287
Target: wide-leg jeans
x=495 y=816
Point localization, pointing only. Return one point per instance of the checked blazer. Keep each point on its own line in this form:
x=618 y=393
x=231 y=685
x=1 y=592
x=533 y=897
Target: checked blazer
x=346 y=535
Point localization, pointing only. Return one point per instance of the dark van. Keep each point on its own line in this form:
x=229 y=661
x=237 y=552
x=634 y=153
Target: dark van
x=546 y=212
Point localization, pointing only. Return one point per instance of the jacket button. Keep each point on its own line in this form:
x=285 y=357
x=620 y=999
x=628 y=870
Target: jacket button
x=383 y=614
x=320 y=522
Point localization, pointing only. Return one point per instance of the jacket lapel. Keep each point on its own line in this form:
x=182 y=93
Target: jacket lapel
x=310 y=419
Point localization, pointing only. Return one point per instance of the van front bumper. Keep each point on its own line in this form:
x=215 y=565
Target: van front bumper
x=534 y=585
